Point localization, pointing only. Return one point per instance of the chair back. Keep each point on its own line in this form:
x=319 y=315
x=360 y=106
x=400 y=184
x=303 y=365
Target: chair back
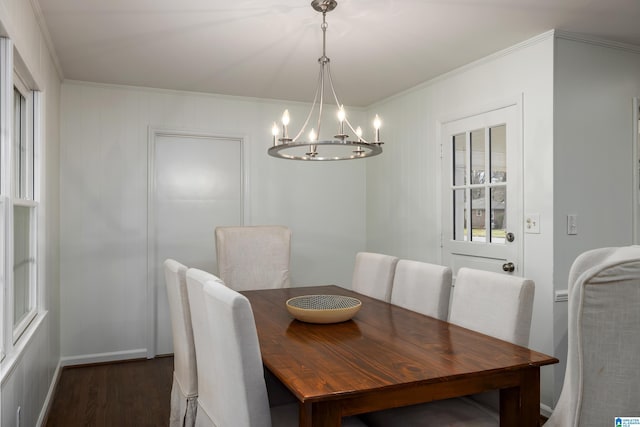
x=253 y=257
x=422 y=287
x=240 y=394
x=205 y=349
x=373 y=275
x=494 y=304
x=184 y=356
x=602 y=379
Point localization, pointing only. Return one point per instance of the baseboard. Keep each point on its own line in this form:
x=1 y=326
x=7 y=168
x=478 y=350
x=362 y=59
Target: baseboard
x=545 y=410
x=42 y=419
x=85 y=359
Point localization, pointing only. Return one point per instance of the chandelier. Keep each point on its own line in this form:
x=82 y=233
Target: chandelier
x=314 y=148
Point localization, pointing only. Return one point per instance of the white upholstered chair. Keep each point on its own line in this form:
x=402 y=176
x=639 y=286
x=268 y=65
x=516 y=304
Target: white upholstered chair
x=602 y=379
x=478 y=293
x=491 y=303
x=373 y=275
x=232 y=390
x=253 y=257
x=184 y=391
x=422 y=287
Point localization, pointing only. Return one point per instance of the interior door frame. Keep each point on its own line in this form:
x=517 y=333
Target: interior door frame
x=516 y=101
x=153 y=134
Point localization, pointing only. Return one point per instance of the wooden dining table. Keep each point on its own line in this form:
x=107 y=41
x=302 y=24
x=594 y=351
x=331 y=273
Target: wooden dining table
x=386 y=357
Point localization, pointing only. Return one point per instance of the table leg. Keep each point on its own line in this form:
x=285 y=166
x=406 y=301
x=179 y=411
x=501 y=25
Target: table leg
x=320 y=414
x=509 y=406
x=520 y=406
x=530 y=396
x=305 y=419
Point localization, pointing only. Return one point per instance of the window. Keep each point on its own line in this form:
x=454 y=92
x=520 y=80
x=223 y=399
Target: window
x=25 y=206
x=20 y=121
x=479 y=176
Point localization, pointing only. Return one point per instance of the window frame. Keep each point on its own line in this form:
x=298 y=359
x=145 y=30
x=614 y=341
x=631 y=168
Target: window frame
x=15 y=75
x=25 y=197
x=6 y=144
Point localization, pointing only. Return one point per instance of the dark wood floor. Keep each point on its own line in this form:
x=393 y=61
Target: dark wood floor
x=134 y=393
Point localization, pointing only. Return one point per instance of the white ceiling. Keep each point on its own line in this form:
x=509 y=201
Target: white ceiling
x=269 y=49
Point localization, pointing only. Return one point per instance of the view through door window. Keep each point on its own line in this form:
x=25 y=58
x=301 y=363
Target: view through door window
x=479 y=185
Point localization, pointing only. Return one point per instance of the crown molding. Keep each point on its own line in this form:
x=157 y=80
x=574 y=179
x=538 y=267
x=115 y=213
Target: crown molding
x=44 y=30
x=596 y=41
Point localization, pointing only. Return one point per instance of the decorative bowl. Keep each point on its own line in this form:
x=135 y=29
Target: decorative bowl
x=323 y=308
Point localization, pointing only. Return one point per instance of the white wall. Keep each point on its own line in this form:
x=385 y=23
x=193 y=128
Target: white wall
x=104 y=136
x=595 y=84
x=27 y=375
x=578 y=159
x=404 y=185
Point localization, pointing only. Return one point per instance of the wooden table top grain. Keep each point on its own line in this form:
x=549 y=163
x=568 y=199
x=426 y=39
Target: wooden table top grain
x=387 y=356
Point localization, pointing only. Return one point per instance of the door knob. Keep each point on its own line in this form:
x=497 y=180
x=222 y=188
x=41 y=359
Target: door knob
x=509 y=267
x=510 y=237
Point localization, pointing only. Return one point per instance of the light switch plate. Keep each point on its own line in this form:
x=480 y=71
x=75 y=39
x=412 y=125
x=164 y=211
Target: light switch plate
x=532 y=223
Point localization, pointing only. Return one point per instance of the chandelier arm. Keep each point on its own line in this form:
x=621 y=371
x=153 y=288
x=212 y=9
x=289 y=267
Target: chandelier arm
x=313 y=147
x=313 y=106
x=335 y=96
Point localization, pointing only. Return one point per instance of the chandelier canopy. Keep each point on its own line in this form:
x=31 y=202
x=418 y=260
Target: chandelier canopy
x=314 y=148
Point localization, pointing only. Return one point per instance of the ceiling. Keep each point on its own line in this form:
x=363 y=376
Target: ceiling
x=269 y=49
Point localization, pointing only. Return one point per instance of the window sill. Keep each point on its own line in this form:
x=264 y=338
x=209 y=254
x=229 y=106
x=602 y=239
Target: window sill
x=13 y=357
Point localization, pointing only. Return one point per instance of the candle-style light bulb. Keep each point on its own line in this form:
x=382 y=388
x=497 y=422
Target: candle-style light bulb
x=376 y=125
x=312 y=135
x=275 y=131
x=341 y=116
x=359 y=133
x=285 y=123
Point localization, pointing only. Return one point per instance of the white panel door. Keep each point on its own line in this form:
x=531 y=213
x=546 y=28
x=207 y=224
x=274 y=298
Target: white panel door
x=196 y=185
x=482 y=191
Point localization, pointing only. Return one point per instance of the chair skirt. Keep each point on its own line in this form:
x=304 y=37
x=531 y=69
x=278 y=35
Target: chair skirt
x=183 y=408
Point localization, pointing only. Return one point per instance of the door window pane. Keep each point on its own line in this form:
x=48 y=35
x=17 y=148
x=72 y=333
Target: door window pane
x=478 y=228
x=460 y=215
x=478 y=157
x=459 y=159
x=498 y=147
x=498 y=214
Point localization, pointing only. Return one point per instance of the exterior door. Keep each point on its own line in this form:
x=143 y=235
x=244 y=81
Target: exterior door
x=196 y=184
x=482 y=191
